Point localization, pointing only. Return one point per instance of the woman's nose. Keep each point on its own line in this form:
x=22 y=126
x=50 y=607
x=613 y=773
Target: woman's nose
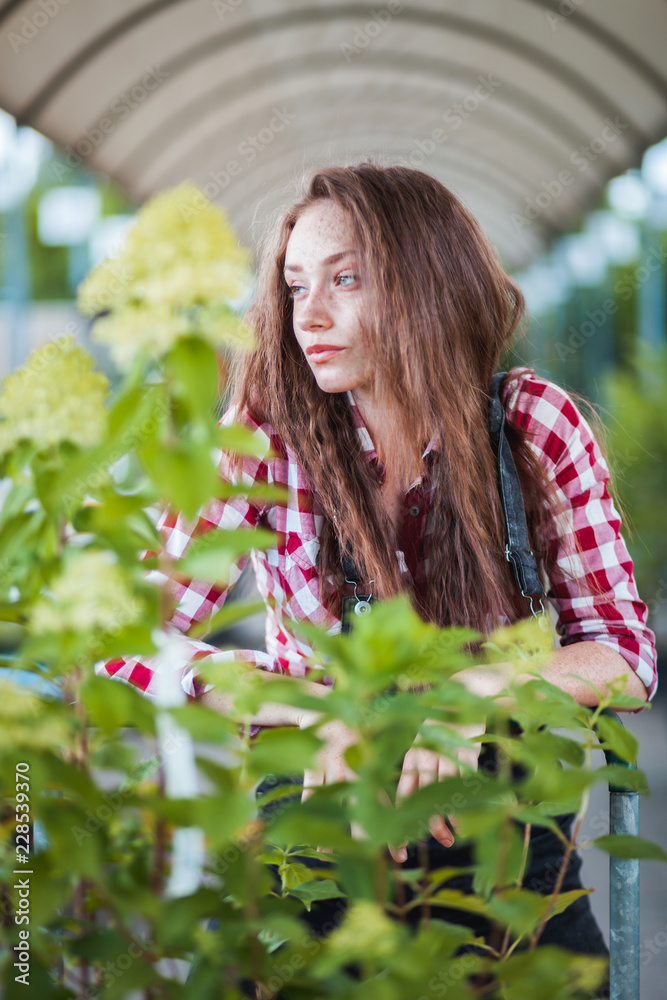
x=312 y=313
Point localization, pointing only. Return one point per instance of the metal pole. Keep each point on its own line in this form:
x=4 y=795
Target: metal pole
x=624 y=902
x=623 y=888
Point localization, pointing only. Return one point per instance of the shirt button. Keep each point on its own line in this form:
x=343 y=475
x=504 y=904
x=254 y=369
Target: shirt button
x=414 y=510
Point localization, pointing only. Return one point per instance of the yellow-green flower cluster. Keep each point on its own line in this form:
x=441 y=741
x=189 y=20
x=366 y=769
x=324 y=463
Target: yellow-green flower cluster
x=55 y=396
x=92 y=593
x=180 y=267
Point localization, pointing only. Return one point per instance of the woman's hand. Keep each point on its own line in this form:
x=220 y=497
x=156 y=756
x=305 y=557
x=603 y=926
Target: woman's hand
x=331 y=765
x=422 y=767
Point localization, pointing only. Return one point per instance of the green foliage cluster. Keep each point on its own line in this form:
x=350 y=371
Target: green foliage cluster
x=638 y=447
x=104 y=918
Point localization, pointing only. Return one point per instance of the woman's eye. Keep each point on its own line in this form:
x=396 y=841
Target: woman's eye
x=294 y=289
x=347 y=279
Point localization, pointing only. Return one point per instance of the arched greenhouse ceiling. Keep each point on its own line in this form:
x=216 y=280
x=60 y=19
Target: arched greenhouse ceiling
x=154 y=92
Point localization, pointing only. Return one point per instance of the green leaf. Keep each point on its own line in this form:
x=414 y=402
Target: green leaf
x=317 y=822
x=185 y=474
x=498 y=857
x=566 y=899
x=295 y=874
x=456 y=900
x=518 y=909
x=533 y=814
x=221 y=816
x=623 y=778
x=211 y=557
x=177 y=919
x=548 y=972
x=614 y=736
x=258 y=491
x=111 y=704
x=294 y=749
x=192 y=370
x=133 y=422
x=522 y=910
x=204 y=723
x=121 y=523
x=230 y=614
x=243 y=440
x=625 y=845
x=324 y=888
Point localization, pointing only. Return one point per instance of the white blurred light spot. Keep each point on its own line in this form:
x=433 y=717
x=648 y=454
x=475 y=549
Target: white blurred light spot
x=617 y=237
x=585 y=259
x=66 y=215
x=544 y=285
x=108 y=237
x=21 y=152
x=654 y=167
x=628 y=195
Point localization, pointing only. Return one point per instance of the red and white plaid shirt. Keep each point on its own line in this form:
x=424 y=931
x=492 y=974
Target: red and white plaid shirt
x=609 y=611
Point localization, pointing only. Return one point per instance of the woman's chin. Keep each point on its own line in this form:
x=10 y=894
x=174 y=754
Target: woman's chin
x=333 y=382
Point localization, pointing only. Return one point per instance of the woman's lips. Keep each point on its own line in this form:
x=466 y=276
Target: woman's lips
x=318 y=357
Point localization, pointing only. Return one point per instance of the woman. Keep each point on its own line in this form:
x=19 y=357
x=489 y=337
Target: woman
x=380 y=316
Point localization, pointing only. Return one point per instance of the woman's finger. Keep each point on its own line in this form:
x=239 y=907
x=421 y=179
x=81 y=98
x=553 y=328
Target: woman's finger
x=439 y=829
x=428 y=768
x=409 y=779
x=311 y=780
x=399 y=854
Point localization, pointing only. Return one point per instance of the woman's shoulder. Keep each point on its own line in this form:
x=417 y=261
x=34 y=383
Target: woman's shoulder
x=546 y=413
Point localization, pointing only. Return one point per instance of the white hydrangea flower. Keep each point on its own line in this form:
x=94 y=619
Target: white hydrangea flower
x=179 y=270
x=92 y=593
x=55 y=396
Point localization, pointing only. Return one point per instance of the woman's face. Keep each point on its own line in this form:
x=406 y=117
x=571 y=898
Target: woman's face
x=329 y=295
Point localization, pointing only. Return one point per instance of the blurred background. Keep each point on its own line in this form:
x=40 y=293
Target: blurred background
x=547 y=117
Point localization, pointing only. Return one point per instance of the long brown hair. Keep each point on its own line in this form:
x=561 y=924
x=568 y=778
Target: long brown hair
x=441 y=309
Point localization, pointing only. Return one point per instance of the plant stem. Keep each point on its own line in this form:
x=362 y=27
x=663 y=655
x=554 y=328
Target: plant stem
x=422 y=851
x=569 y=850
x=399 y=885
x=380 y=879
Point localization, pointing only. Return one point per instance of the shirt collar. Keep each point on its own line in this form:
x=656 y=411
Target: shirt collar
x=367 y=441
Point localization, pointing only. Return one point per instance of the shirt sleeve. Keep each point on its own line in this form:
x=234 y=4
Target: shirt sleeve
x=592 y=585
x=197 y=600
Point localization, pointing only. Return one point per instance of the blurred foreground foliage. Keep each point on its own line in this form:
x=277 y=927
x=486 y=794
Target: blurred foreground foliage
x=84 y=757
x=638 y=446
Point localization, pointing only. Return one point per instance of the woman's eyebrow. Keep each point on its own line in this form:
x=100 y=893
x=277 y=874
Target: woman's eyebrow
x=333 y=259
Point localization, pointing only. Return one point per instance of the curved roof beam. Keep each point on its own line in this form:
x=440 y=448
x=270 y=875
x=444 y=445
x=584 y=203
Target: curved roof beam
x=200 y=152
x=530 y=105
x=428 y=18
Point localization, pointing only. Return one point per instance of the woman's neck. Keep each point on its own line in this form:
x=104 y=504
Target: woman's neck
x=381 y=430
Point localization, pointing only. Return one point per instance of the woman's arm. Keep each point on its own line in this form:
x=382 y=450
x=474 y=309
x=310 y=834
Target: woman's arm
x=595 y=662
x=599 y=664
x=601 y=618
x=270 y=713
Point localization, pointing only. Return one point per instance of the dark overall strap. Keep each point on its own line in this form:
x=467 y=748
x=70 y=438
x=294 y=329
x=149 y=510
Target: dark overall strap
x=517 y=549
x=349 y=566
